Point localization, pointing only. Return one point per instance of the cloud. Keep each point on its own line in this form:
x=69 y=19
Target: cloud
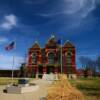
x=69 y=13
x=70 y=7
x=82 y=7
x=3 y=40
x=9 y=21
x=6 y=61
x=97 y=1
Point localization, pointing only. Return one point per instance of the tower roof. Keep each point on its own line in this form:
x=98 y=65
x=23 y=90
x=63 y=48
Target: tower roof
x=36 y=45
x=51 y=41
x=68 y=44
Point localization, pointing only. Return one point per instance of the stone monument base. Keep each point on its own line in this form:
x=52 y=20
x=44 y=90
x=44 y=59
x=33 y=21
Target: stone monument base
x=21 y=89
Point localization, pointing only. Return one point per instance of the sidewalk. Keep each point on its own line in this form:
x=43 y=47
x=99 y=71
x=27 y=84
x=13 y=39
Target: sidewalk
x=27 y=96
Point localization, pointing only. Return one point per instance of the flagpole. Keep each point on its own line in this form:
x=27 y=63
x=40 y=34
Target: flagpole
x=13 y=68
x=8 y=48
x=13 y=62
x=25 y=65
x=61 y=55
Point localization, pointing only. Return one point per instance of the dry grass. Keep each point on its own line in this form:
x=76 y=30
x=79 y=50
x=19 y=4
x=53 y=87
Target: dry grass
x=62 y=90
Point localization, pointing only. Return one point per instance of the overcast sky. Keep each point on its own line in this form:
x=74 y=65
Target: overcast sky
x=26 y=21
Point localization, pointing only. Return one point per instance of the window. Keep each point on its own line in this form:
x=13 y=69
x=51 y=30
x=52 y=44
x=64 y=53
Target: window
x=68 y=57
x=51 y=58
x=34 y=58
x=43 y=56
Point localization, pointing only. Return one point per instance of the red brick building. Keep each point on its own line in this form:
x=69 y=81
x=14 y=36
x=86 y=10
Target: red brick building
x=48 y=59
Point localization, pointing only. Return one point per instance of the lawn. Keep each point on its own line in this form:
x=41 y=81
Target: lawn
x=89 y=87
x=8 y=80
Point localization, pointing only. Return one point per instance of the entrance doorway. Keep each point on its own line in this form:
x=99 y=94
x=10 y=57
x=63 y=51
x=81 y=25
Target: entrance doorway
x=50 y=69
x=40 y=71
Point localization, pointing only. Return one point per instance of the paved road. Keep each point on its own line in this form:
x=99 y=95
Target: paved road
x=36 y=95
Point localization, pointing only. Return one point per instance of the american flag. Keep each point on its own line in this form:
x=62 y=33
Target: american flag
x=59 y=41
x=10 y=46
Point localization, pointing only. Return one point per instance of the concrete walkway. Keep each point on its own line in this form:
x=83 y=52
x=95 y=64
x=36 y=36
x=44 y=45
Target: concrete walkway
x=27 y=96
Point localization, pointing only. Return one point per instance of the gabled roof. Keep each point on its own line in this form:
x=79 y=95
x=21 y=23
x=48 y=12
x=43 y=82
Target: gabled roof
x=68 y=44
x=36 y=45
x=51 y=41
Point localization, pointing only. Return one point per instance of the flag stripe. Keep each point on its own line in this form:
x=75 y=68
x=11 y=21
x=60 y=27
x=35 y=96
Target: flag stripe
x=59 y=41
x=10 y=46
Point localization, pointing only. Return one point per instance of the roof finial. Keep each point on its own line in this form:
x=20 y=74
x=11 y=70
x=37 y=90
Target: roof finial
x=52 y=36
x=36 y=41
x=67 y=41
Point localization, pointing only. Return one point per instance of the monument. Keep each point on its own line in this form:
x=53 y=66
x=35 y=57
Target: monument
x=23 y=86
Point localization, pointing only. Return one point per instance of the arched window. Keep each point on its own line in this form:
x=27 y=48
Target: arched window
x=34 y=58
x=68 y=57
x=51 y=58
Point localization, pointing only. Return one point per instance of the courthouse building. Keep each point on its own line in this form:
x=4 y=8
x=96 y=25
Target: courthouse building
x=48 y=59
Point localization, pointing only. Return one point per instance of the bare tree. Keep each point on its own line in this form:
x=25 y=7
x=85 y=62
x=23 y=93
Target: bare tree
x=88 y=65
x=84 y=61
x=98 y=63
